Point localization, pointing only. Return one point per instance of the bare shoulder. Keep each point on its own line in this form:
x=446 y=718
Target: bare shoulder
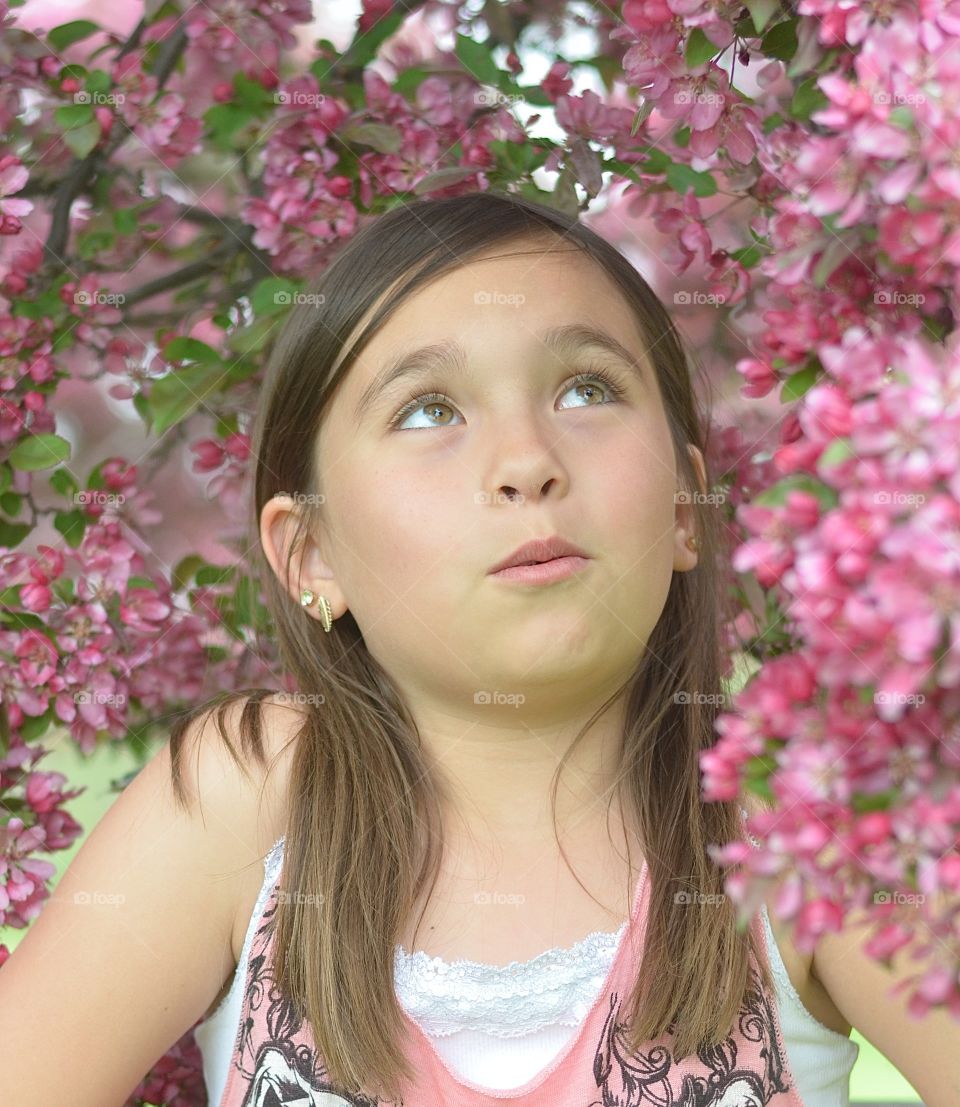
x=259 y=818
x=925 y=1050
x=140 y=923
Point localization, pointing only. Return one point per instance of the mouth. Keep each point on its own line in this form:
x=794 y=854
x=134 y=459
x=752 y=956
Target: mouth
x=540 y=551
x=543 y=572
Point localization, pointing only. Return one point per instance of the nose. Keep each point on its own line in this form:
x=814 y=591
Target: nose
x=525 y=463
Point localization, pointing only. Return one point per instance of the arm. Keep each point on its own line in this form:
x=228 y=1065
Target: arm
x=135 y=941
x=926 y=1051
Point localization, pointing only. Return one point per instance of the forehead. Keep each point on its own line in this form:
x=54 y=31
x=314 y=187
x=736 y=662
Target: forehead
x=496 y=304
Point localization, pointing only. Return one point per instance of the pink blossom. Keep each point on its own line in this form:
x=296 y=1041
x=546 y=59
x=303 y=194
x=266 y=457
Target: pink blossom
x=760 y=377
x=13 y=177
x=646 y=15
x=557 y=82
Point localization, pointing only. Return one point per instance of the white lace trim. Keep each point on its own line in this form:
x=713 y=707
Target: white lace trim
x=556 y=987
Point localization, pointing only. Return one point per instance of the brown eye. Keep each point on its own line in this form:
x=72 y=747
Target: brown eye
x=430 y=401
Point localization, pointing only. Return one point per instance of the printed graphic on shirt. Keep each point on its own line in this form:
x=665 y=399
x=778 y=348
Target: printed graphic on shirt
x=281 y=1071
x=651 y=1076
x=277 y=1064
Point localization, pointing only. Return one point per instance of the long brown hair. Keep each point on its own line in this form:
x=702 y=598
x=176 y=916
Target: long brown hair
x=363 y=819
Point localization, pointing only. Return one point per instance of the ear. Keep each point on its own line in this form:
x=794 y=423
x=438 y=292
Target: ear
x=279 y=521
x=684 y=558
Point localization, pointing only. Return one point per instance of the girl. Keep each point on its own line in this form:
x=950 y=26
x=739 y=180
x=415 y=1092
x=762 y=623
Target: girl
x=489 y=596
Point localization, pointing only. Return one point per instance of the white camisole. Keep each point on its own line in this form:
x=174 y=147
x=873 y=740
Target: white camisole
x=497 y=1025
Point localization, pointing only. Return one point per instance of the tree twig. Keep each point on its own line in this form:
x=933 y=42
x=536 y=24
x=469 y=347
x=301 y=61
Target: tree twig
x=177 y=277
x=83 y=169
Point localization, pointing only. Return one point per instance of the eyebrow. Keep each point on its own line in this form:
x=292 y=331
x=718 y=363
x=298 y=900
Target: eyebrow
x=566 y=341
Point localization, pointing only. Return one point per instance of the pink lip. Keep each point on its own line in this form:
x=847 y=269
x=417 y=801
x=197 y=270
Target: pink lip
x=545 y=572
x=540 y=550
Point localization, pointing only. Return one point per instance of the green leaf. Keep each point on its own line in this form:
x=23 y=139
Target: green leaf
x=98 y=80
x=564 y=195
x=175 y=396
x=35 y=726
x=759 y=768
x=776 y=494
x=443 y=178
x=252 y=94
x=748 y=256
x=246 y=603
x=657 y=162
x=185 y=348
x=215 y=574
x=531 y=94
x=476 y=58
x=759 y=787
x=184 y=570
x=409 y=81
x=12 y=534
x=92 y=243
x=682 y=137
x=71 y=524
x=620 y=168
x=251 y=338
x=699 y=49
x=781 y=41
x=6 y=477
x=39 y=451
x=73 y=115
x=382 y=137
x=125 y=220
x=643 y=113
x=761 y=11
x=798 y=383
x=222 y=121
x=364 y=47
x=272 y=295
x=81 y=140
x=68 y=33
x=833 y=255
x=807 y=99
x=681 y=178
x=23 y=620
x=901 y=116
x=65 y=590
x=64 y=482
x=10 y=503
x=838 y=450
x=879 y=801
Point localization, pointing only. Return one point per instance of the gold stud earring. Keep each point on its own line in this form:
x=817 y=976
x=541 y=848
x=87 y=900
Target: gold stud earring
x=692 y=542
x=326 y=611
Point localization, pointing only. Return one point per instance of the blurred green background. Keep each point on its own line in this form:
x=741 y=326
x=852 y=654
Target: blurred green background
x=873 y=1080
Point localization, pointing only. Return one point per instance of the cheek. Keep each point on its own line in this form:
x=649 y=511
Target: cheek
x=394 y=532
x=633 y=484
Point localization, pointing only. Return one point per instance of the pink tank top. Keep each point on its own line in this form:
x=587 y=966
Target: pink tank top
x=275 y=1061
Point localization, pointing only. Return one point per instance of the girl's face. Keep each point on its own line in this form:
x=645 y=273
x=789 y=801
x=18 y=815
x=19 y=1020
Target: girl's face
x=422 y=500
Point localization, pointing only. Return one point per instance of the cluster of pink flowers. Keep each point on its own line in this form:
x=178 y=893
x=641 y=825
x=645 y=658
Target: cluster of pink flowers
x=852 y=522
x=13 y=176
x=308 y=205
